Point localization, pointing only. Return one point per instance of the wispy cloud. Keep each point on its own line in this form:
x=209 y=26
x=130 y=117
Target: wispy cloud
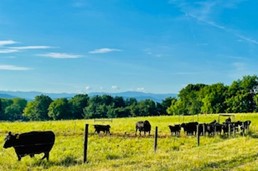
x=203 y=11
x=13 y=68
x=103 y=50
x=141 y=89
x=247 y=39
x=7 y=42
x=8 y=51
x=60 y=55
x=114 y=87
x=30 y=47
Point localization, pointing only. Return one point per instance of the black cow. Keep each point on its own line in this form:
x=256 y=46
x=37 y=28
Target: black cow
x=190 y=128
x=31 y=143
x=202 y=128
x=103 y=128
x=245 y=126
x=144 y=126
x=175 y=129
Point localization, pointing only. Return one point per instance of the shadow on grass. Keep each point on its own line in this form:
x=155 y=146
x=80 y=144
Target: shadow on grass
x=228 y=164
x=252 y=134
x=66 y=162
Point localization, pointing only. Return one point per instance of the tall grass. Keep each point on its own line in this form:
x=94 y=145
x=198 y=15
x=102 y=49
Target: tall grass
x=122 y=150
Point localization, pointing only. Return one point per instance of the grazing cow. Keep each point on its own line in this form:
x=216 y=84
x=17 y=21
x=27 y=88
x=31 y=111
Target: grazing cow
x=144 y=126
x=31 y=143
x=213 y=127
x=228 y=128
x=190 y=128
x=245 y=126
x=202 y=128
x=103 y=128
x=175 y=129
x=228 y=120
x=218 y=128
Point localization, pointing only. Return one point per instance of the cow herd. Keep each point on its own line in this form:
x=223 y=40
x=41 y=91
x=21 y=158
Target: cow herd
x=210 y=129
x=190 y=128
x=36 y=142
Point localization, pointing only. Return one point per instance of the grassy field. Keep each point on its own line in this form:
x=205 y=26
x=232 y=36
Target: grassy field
x=122 y=150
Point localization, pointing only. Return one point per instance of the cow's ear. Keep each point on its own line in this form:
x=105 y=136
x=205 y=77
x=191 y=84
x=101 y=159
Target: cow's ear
x=9 y=133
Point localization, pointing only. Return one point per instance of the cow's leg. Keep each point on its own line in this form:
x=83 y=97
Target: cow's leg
x=46 y=155
x=19 y=157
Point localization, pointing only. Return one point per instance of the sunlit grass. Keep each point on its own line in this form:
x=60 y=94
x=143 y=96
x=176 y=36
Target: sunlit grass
x=122 y=150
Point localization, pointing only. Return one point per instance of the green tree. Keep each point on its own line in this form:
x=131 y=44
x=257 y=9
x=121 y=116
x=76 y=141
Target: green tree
x=38 y=108
x=189 y=101
x=147 y=108
x=77 y=103
x=256 y=102
x=176 y=107
x=164 y=105
x=118 y=102
x=95 y=111
x=106 y=99
x=15 y=110
x=1 y=110
x=4 y=104
x=239 y=97
x=213 y=98
x=59 y=109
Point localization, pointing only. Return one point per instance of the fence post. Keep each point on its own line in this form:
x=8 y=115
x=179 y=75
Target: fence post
x=156 y=139
x=229 y=130
x=86 y=131
x=198 y=135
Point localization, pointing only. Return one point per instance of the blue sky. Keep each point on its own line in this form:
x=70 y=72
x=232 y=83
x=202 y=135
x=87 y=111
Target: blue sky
x=158 y=46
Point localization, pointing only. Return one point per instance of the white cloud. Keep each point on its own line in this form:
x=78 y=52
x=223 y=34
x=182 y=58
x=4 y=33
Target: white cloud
x=13 y=68
x=103 y=50
x=141 y=89
x=203 y=12
x=7 y=42
x=30 y=47
x=247 y=39
x=87 y=88
x=114 y=87
x=60 y=55
x=8 y=50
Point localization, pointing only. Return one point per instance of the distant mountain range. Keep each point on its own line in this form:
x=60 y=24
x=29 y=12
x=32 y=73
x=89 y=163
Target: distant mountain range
x=30 y=95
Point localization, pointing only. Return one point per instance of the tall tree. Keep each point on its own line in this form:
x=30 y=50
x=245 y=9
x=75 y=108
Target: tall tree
x=38 y=108
x=164 y=105
x=147 y=108
x=59 y=109
x=213 y=98
x=15 y=110
x=189 y=101
x=77 y=103
x=240 y=97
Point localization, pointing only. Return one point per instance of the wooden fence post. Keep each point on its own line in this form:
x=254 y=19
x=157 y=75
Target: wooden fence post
x=156 y=139
x=198 y=135
x=229 y=130
x=86 y=131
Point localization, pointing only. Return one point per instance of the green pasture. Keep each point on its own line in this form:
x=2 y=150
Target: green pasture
x=122 y=150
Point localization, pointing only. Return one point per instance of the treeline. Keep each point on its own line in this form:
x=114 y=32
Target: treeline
x=78 y=107
x=239 y=97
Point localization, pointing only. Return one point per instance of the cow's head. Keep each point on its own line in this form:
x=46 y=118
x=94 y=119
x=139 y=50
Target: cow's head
x=10 y=140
